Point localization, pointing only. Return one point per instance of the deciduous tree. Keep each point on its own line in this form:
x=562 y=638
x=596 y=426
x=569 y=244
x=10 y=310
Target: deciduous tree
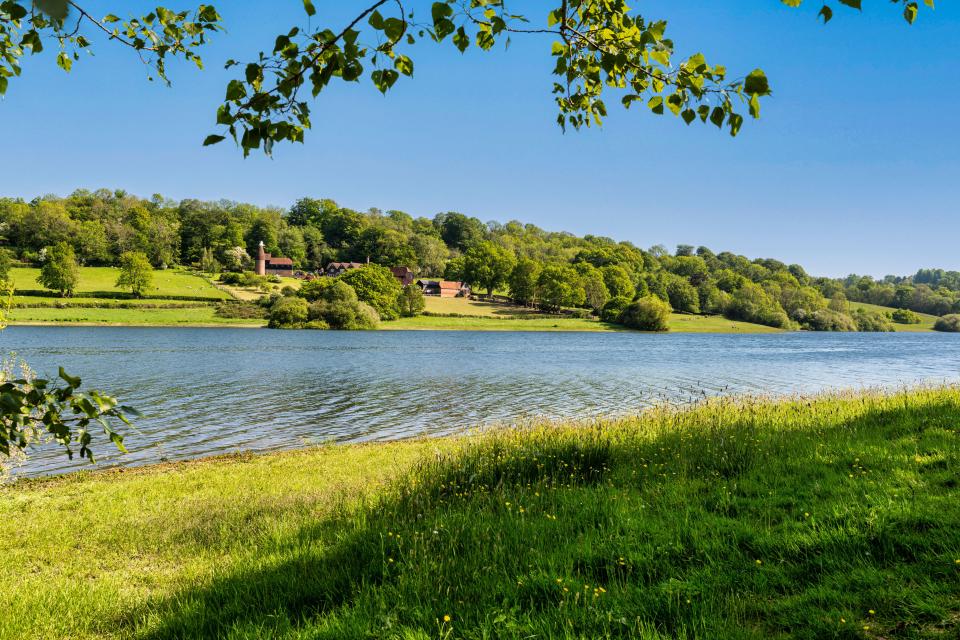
x=60 y=271
x=136 y=273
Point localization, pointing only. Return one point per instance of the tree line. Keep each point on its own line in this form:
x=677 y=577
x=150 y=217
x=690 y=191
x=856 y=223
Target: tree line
x=554 y=271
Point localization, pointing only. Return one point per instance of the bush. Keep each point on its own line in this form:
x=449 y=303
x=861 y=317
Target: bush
x=288 y=313
x=287 y=290
x=313 y=289
x=647 y=314
x=905 y=316
x=750 y=303
x=614 y=307
x=339 y=308
x=872 y=321
x=376 y=286
x=347 y=316
x=240 y=310
x=948 y=324
x=245 y=279
x=827 y=320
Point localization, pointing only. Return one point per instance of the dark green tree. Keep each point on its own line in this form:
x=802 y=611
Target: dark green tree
x=488 y=265
x=376 y=286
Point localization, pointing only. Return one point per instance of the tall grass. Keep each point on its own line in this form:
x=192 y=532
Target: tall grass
x=833 y=517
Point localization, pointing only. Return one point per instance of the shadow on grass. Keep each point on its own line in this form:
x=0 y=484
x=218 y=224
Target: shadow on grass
x=455 y=538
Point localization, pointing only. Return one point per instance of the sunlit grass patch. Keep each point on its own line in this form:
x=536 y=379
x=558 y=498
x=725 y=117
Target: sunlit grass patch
x=733 y=519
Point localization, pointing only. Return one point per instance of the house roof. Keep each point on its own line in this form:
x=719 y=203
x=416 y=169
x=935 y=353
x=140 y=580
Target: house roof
x=449 y=284
x=401 y=271
x=345 y=265
x=278 y=261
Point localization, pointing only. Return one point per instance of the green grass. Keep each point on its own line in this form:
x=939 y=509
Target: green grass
x=76 y=301
x=169 y=283
x=146 y=317
x=486 y=316
x=835 y=517
x=926 y=323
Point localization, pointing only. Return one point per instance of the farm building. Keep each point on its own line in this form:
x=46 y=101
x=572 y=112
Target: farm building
x=443 y=288
x=335 y=269
x=403 y=274
x=268 y=265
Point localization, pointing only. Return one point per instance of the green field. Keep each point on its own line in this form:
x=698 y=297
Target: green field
x=169 y=283
x=926 y=323
x=835 y=517
x=145 y=317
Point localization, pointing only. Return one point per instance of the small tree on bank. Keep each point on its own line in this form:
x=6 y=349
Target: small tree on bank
x=647 y=314
x=411 y=301
x=60 y=272
x=136 y=273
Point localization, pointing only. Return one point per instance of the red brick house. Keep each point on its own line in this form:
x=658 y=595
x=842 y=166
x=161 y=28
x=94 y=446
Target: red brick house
x=268 y=265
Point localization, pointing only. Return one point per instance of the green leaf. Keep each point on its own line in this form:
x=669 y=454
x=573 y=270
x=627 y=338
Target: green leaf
x=757 y=83
x=404 y=65
x=309 y=8
x=56 y=9
x=212 y=139
x=73 y=381
x=64 y=61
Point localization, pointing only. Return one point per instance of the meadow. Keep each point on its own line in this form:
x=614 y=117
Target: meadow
x=181 y=298
x=100 y=282
x=830 y=517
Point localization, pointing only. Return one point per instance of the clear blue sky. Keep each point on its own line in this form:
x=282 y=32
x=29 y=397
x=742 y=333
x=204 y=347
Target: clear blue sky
x=853 y=168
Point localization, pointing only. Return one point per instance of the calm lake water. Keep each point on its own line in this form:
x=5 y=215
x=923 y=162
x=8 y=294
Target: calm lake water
x=207 y=391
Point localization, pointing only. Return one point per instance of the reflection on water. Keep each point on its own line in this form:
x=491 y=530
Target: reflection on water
x=206 y=391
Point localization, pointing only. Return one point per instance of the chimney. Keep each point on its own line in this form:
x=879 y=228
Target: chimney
x=368 y=259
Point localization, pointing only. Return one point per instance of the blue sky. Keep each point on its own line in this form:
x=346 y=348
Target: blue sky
x=853 y=167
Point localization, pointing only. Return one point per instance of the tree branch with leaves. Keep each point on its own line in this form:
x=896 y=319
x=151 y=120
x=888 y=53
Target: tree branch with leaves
x=600 y=47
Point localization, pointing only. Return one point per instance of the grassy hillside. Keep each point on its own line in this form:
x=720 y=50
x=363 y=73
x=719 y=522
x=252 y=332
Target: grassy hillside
x=831 y=518
x=170 y=283
x=144 y=317
x=926 y=323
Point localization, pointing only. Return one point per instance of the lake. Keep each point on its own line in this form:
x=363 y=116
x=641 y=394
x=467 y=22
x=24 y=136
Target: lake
x=209 y=391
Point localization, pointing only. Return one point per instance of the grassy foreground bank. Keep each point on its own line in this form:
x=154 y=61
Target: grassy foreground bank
x=831 y=518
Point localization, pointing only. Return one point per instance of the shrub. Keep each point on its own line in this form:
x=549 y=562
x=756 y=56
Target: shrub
x=827 y=320
x=948 y=324
x=905 y=316
x=872 y=321
x=750 y=303
x=376 y=286
x=288 y=313
x=614 y=307
x=240 y=310
x=313 y=289
x=647 y=314
x=245 y=279
x=287 y=290
x=347 y=316
x=339 y=308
